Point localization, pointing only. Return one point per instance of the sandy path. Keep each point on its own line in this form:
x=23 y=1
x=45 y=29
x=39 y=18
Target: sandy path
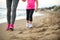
x=45 y=28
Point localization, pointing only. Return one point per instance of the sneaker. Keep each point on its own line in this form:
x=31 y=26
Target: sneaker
x=30 y=26
x=11 y=27
x=8 y=27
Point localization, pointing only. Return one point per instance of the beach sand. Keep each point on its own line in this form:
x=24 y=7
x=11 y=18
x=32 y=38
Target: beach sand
x=45 y=27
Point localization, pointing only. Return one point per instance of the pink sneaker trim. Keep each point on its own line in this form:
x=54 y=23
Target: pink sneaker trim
x=11 y=26
x=8 y=26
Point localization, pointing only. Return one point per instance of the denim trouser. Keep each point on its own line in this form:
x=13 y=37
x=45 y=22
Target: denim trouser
x=11 y=7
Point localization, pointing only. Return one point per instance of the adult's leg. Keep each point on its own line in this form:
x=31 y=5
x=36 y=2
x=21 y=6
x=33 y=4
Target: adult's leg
x=8 y=3
x=15 y=4
x=30 y=15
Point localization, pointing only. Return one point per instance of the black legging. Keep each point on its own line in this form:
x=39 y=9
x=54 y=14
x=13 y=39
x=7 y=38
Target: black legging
x=11 y=6
x=29 y=14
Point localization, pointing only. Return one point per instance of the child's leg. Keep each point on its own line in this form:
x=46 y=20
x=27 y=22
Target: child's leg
x=30 y=16
x=27 y=17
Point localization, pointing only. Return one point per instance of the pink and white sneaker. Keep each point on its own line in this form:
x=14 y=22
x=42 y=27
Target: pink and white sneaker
x=11 y=27
x=8 y=27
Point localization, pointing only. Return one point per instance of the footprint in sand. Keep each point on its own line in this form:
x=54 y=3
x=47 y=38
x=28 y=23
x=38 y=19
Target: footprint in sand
x=14 y=37
x=20 y=32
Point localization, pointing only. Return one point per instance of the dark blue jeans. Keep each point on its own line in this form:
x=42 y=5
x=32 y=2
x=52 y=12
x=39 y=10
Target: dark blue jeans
x=11 y=7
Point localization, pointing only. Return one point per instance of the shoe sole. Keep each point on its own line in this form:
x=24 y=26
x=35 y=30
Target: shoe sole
x=11 y=29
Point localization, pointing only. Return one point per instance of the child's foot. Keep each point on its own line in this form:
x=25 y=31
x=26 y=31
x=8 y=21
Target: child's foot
x=30 y=26
x=8 y=27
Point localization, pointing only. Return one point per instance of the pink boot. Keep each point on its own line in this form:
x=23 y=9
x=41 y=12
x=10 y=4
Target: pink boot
x=8 y=26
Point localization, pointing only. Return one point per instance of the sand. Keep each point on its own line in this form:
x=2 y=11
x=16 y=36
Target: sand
x=45 y=27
